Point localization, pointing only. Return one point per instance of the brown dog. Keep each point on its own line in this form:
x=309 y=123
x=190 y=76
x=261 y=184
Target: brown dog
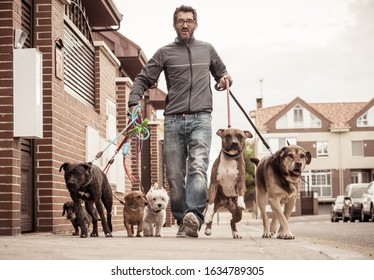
x=133 y=212
x=227 y=181
x=278 y=182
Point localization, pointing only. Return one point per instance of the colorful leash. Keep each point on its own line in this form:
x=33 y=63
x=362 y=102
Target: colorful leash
x=135 y=127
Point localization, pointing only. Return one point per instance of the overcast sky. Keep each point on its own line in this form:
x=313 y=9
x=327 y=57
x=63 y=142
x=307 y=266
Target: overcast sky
x=319 y=50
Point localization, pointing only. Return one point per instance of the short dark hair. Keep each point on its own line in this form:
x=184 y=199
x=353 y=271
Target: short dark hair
x=185 y=9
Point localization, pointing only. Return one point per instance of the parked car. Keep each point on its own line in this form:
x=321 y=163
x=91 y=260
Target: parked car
x=367 y=207
x=352 y=211
x=336 y=211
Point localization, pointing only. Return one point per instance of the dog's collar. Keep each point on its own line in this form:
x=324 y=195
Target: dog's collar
x=82 y=188
x=132 y=207
x=231 y=156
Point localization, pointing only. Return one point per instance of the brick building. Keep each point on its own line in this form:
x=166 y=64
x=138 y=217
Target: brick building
x=65 y=76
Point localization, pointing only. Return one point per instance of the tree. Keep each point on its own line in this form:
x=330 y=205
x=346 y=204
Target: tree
x=250 y=195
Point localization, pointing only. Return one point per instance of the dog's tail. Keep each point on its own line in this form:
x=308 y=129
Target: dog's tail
x=255 y=160
x=121 y=201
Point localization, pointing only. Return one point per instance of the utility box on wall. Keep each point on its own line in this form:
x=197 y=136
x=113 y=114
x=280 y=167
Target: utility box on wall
x=28 y=93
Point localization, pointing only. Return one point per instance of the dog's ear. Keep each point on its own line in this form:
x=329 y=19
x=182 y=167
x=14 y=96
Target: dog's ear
x=308 y=157
x=219 y=131
x=248 y=134
x=128 y=198
x=278 y=155
x=63 y=166
x=86 y=166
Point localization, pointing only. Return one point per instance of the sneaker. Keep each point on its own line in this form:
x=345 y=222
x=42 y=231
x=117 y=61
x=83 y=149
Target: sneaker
x=192 y=225
x=181 y=231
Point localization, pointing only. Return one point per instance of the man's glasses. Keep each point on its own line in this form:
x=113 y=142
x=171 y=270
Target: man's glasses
x=181 y=22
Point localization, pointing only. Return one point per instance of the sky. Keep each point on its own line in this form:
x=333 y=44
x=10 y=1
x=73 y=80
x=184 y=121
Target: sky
x=318 y=50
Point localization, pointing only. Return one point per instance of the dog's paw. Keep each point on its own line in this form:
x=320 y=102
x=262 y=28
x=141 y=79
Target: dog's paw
x=94 y=234
x=158 y=235
x=273 y=232
x=287 y=236
x=236 y=235
x=266 y=235
x=109 y=234
x=84 y=235
x=241 y=203
x=208 y=231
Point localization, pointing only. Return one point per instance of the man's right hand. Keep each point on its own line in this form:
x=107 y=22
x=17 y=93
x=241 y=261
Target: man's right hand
x=131 y=109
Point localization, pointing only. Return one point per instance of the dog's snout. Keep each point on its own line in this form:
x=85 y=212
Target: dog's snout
x=71 y=184
x=298 y=164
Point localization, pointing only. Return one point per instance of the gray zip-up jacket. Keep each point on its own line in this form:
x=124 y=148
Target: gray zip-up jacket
x=187 y=69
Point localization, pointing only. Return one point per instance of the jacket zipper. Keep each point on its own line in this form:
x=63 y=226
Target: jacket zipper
x=191 y=72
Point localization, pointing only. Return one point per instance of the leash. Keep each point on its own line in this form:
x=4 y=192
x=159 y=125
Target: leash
x=228 y=103
x=218 y=88
x=135 y=127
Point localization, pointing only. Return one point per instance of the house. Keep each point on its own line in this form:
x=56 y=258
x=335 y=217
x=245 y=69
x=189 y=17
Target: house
x=340 y=137
x=65 y=77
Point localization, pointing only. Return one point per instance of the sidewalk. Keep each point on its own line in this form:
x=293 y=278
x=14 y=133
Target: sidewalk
x=219 y=246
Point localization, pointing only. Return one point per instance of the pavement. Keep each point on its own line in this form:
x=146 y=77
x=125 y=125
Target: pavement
x=219 y=246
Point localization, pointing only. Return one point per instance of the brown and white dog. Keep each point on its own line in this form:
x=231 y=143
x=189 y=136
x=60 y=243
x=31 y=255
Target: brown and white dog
x=227 y=180
x=133 y=212
x=278 y=182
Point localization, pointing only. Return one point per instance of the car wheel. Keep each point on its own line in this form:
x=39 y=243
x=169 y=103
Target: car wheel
x=334 y=218
x=372 y=213
x=345 y=219
x=364 y=218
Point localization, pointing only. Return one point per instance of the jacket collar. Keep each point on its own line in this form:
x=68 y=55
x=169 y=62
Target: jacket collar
x=180 y=42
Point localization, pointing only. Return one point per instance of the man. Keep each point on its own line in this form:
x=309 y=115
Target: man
x=187 y=64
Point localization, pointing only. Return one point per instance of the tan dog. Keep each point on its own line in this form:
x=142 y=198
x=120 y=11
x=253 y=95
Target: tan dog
x=227 y=181
x=278 y=182
x=133 y=212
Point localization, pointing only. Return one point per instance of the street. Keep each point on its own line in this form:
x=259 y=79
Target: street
x=316 y=239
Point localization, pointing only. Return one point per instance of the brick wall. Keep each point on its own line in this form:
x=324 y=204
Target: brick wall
x=10 y=148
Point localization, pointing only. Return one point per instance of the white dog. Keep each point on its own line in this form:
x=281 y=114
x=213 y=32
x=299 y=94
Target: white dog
x=155 y=214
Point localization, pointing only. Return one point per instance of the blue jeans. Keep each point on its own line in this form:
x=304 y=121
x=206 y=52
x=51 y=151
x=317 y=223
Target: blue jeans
x=187 y=140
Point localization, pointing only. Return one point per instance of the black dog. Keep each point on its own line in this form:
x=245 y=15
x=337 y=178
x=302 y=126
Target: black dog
x=89 y=183
x=69 y=210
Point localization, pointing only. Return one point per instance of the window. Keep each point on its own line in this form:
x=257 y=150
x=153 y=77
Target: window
x=322 y=149
x=79 y=54
x=314 y=121
x=360 y=177
x=278 y=143
x=298 y=116
x=363 y=120
x=357 y=149
x=319 y=181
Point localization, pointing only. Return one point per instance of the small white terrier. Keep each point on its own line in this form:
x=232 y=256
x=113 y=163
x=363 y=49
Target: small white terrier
x=155 y=213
